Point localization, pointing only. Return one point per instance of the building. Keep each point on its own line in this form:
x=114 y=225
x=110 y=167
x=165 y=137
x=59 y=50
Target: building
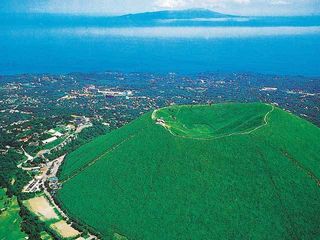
x=49 y=140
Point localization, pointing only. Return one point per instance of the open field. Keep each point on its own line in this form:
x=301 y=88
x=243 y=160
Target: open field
x=143 y=182
x=10 y=219
x=42 y=208
x=47 y=213
x=64 y=230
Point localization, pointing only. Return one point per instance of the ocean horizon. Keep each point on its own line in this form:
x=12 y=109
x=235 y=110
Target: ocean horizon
x=171 y=45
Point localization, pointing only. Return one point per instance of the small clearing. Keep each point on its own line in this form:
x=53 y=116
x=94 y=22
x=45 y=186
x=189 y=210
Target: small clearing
x=42 y=208
x=64 y=230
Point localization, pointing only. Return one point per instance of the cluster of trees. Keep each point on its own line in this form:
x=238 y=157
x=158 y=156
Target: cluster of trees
x=33 y=226
x=11 y=177
x=85 y=229
x=7 y=140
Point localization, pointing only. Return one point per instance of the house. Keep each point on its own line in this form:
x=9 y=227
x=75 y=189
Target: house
x=49 y=140
x=25 y=139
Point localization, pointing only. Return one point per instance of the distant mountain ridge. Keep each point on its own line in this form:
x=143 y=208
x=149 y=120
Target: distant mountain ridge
x=177 y=14
x=182 y=18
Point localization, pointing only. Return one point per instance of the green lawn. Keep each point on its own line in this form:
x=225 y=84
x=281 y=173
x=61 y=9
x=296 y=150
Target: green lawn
x=54 y=143
x=143 y=182
x=10 y=219
x=45 y=236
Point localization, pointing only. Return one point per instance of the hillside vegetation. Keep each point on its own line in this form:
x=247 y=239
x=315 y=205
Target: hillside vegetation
x=9 y=218
x=225 y=171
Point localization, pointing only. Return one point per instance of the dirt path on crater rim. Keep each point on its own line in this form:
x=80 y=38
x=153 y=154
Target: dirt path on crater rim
x=167 y=126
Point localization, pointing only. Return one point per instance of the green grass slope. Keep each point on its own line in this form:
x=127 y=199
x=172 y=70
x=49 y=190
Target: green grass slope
x=226 y=171
x=9 y=218
x=212 y=122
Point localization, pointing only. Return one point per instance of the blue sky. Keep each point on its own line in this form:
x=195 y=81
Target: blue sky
x=107 y=7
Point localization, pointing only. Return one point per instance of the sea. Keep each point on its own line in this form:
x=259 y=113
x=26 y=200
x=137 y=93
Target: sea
x=64 y=44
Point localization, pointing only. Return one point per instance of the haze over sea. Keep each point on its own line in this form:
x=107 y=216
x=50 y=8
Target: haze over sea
x=35 y=43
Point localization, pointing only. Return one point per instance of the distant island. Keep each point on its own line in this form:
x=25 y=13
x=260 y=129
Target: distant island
x=188 y=17
x=178 y=14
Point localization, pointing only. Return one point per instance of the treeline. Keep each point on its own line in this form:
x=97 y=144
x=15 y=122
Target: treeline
x=81 y=227
x=33 y=226
x=30 y=224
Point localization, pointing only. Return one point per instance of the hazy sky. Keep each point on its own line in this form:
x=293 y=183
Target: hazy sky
x=242 y=7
